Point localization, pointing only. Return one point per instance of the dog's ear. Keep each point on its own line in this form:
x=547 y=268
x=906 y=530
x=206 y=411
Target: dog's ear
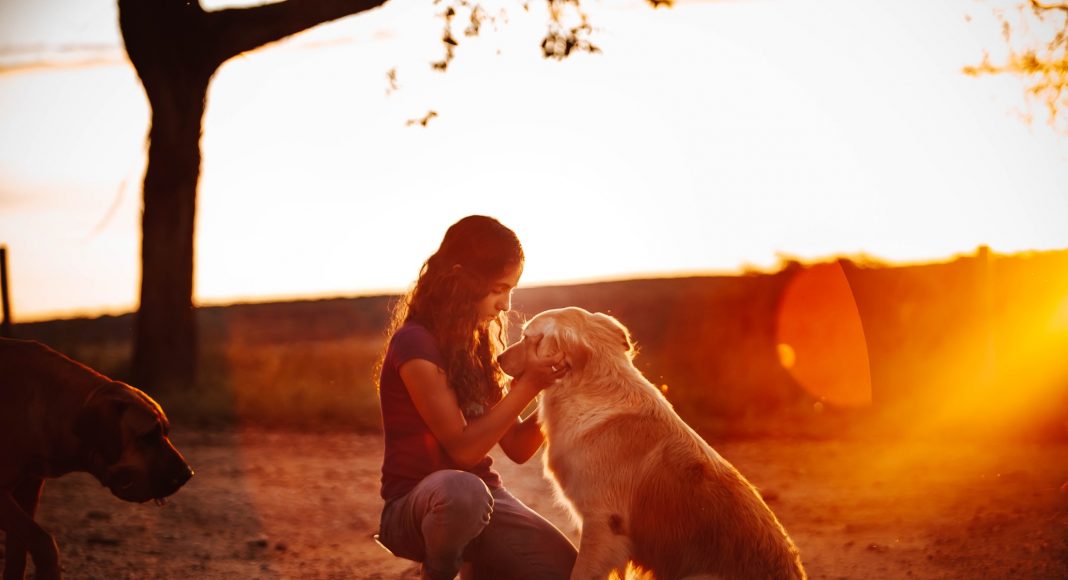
x=614 y=332
x=98 y=426
x=136 y=420
x=143 y=413
x=575 y=346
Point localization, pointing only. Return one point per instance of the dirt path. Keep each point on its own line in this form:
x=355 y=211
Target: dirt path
x=272 y=505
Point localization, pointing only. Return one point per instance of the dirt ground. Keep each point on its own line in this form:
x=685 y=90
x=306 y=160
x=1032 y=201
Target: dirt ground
x=268 y=504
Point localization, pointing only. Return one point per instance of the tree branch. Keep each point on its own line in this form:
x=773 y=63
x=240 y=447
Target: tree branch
x=1040 y=6
x=238 y=30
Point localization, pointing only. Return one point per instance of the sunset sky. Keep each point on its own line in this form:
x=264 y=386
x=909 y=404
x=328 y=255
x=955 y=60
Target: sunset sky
x=711 y=137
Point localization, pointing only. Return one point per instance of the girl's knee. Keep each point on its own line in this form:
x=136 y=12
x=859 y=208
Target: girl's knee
x=460 y=492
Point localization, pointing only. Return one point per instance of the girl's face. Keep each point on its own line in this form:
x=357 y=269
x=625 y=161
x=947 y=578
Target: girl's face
x=499 y=298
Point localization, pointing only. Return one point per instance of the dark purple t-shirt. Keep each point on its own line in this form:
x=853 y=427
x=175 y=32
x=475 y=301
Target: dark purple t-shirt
x=412 y=451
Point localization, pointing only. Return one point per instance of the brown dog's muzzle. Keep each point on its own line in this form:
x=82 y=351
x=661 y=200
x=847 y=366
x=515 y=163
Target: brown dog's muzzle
x=168 y=472
x=174 y=477
x=151 y=473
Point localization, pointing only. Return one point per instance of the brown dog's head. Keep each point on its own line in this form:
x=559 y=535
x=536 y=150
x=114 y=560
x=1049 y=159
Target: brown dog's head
x=124 y=432
x=579 y=334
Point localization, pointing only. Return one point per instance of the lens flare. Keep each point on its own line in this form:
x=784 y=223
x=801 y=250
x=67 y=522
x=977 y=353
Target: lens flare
x=820 y=338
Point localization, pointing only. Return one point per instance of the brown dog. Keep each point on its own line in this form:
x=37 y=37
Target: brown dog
x=643 y=486
x=59 y=416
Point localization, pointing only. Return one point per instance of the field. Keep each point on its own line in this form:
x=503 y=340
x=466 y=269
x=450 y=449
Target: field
x=903 y=422
x=273 y=504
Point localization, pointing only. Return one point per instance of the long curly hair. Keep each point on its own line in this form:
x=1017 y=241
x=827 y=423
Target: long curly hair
x=475 y=252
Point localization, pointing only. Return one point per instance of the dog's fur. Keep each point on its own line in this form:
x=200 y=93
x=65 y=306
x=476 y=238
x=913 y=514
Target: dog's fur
x=643 y=486
x=59 y=416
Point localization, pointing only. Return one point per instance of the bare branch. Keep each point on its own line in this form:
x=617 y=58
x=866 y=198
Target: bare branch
x=1043 y=62
x=422 y=121
x=178 y=38
x=1040 y=6
x=238 y=30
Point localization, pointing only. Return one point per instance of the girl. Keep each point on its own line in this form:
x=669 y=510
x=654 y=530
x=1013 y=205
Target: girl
x=444 y=408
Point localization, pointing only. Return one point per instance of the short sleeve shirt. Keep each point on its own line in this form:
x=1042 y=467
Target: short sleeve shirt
x=411 y=450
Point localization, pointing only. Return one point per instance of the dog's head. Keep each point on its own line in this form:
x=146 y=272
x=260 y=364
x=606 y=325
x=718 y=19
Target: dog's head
x=580 y=335
x=125 y=434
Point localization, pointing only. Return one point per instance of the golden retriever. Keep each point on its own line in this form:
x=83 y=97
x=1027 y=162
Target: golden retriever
x=643 y=487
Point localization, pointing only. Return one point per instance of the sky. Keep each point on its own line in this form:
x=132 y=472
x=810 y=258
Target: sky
x=713 y=137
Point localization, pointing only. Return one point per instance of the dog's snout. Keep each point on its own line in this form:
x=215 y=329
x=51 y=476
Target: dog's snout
x=506 y=360
x=183 y=476
x=173 y=482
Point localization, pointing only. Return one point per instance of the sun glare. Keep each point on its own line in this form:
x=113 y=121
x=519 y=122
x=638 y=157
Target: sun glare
x=1018 y=377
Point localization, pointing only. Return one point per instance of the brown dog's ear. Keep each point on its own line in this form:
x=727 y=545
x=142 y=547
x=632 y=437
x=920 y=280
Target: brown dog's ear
x=143 y=413
x=98 y=426
x=137 y=420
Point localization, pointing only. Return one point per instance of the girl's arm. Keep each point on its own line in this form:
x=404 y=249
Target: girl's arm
x=524 y=439
x=467 y=443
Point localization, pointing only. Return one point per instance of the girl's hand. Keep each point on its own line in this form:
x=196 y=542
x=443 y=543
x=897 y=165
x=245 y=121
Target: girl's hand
x=541 y=371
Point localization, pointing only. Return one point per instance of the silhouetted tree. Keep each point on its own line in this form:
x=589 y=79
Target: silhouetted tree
x=176 y=46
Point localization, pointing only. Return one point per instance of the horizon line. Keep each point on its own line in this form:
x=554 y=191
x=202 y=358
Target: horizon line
x=784 y=261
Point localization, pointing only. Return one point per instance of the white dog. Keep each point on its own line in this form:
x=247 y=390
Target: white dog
x=643 y=486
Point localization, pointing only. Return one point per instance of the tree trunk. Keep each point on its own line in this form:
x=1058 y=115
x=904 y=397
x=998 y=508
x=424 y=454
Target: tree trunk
x=175 y=75
x=165 y=352
x=176 y=47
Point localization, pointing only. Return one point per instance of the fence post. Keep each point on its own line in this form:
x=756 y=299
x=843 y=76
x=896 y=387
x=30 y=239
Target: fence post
x=5 y=326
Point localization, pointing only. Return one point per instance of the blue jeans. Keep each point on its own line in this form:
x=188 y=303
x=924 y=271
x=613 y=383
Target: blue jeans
x=452 y=516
